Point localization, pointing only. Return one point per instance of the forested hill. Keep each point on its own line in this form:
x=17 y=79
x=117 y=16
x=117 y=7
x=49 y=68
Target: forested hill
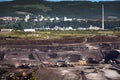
x=82 y=9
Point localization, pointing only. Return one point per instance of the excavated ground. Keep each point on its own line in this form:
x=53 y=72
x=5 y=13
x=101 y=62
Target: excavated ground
x=16 y=51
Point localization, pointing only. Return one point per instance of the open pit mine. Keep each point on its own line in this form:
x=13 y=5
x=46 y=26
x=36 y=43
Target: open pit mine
x=82 y=58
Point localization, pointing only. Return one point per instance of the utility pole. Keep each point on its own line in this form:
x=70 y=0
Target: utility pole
x=103 y=20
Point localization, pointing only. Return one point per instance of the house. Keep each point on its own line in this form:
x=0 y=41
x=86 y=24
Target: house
x=27 y=18
x=67 y=19
x=6 y=30
x=94 y=27
x=29 y=30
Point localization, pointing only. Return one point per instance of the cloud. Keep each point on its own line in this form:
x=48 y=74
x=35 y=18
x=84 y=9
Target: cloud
x=82 y=0
x=66 y=0
x=5 y=0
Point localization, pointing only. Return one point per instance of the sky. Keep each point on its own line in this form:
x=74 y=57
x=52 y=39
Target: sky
x=5 y=0
x=82 y=0
x=69 y=0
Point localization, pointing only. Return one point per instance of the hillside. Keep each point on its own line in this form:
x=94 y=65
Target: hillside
x=82 y=9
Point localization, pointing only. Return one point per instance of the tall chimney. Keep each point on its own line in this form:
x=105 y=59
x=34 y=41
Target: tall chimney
x=103 y=17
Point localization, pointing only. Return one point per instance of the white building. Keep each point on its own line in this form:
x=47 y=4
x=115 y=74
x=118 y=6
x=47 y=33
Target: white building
x=51 y=19
x=27 y=18
x=41 y=18
x=94 y=27
x=69 y=28
x=81 y=28
x=57 y=18
x=6 y=30
x=29 y=30
x=67 y=19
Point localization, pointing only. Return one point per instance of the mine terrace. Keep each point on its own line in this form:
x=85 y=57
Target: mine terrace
x=69 y=58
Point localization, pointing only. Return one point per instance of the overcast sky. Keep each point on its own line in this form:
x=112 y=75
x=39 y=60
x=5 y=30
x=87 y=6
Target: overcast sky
x=5 y=0
x=71 y=0
x=82 y=0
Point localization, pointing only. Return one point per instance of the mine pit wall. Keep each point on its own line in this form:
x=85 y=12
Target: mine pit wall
x=60 y=47
x=90 y=72
x=64 y=40
x=77 y=48
x=70 y=73
x=48 y=74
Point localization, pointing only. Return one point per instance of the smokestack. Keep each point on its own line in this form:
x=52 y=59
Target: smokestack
x=103 y=17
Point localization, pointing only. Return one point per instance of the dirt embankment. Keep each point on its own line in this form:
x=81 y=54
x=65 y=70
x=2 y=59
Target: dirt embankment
x=65 y=40
x=89 y=72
